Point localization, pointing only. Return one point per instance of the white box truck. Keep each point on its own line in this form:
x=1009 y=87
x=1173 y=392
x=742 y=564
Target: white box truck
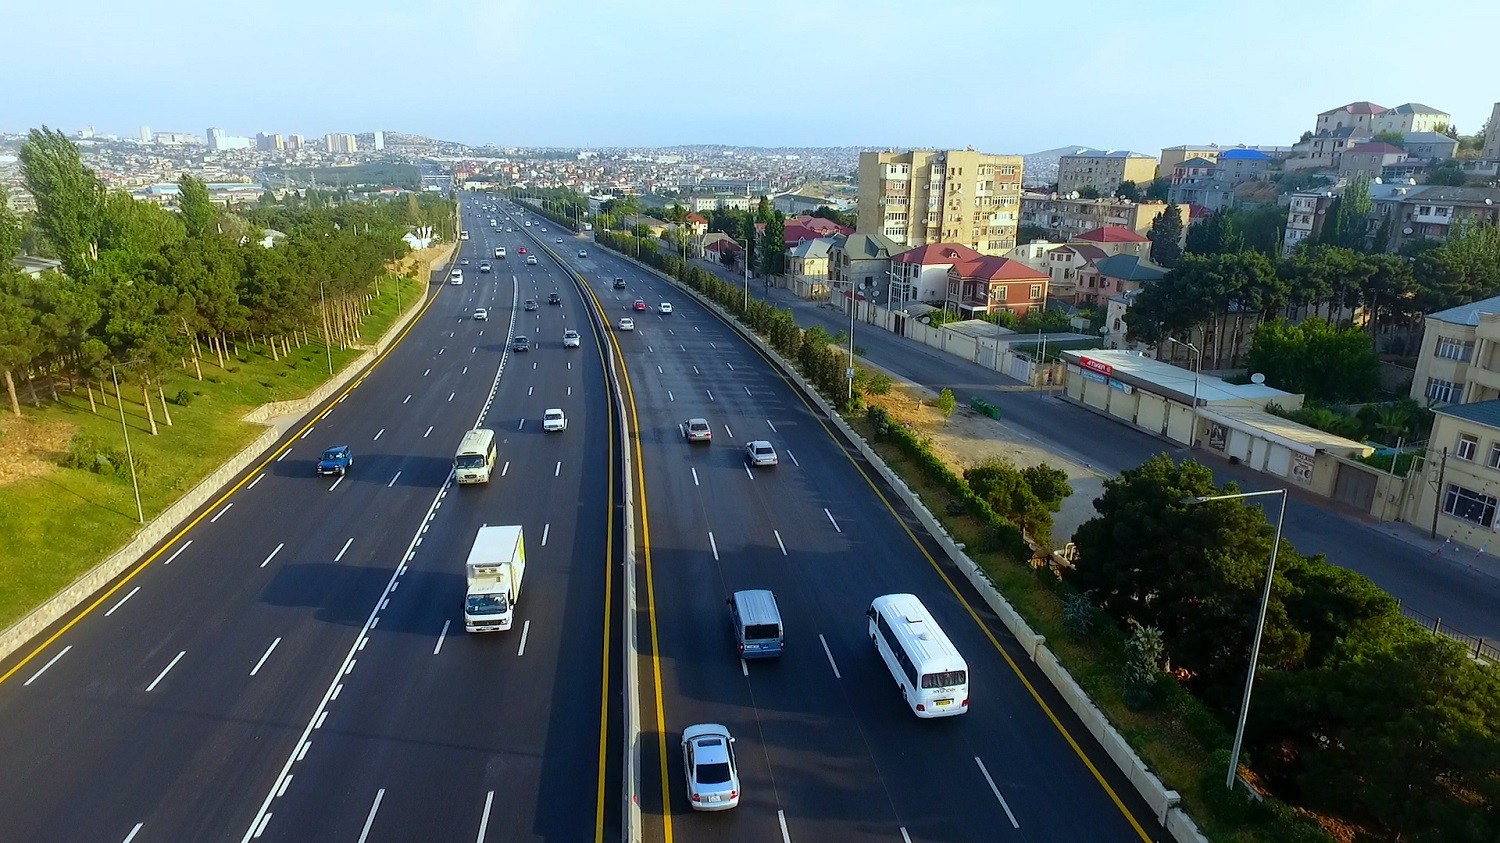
x=496 y=565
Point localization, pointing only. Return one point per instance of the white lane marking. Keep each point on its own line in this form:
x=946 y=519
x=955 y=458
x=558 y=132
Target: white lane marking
x=267 y=655
x=529 y=389
x=698 y=329
x=131 y=836
x=306 y=433
x=257 y=479
x=484 y=819
x=773 y=427
x=748 y=472
x=426 y=373
x=476 y=348
x=710 y=394
x=570 y=390
x=793 y=458
x=681 y=346
x=43 y=668
x=351 y=541
x=829 y=653
x=669 y=396
x=443 y=349
x=659 y=371
x=370 y=820
x=163 y=674
x=695 y=477
x=781 y=817
x=695 y=371
x=906 y=838
x=428 y=433
x=525 y=630
x=273 y=554
x=715 y=545
x=831 y=521
x=283 y=456
x=302 y=753
x=335 y=483
x=261 y=826
x=715 y=346
x=227 y=507
x=728 y=431
x=451 y=394
x=533 y=365
x=408 y=398
x=189 y=543
x=777 y=533
x=122 y=601
x=744 y=668
x=378 y=435
x=504 y=469
x=996 y=791
x=465 y=371
x=558 y=470
x=393 y=480
x=442 y=635
x=747 y=391
x=546 y=528
x=521 y=425
x=650 y=348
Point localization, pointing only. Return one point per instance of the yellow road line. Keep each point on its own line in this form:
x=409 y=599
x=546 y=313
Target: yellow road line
x=609 y=565
x=141 y=566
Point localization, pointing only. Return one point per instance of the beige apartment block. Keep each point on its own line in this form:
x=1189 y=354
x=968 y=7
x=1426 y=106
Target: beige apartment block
x=1103 y=170
x=1065 y=218
x=1411 y=117
x=1171 y=156
x=923 y=197
x=1459 y=485
x=1492 y=137
x=1460 y=358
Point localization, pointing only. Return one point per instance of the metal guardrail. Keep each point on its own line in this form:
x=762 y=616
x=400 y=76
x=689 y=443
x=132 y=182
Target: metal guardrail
x=1480 y=649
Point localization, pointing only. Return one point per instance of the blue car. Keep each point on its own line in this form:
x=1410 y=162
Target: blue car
x=336 y=460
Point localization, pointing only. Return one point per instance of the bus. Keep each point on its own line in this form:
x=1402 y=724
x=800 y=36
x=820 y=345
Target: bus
x=475 y=459
x=933 y=677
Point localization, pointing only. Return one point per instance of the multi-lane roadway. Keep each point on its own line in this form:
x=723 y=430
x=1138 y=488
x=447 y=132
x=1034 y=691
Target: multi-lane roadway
x=292 y=665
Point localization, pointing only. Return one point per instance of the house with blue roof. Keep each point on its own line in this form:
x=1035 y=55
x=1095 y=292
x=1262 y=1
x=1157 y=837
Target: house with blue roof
x=1211 y=184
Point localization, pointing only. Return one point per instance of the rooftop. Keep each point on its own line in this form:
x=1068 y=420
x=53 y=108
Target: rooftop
x=1244 y=155
x=1111 y=234
x=1468 y=314
x=1128 y=268
x=1085 y=152
x=993 y=268
x=937 y=253
x=1482 y=412
x=1362 y=107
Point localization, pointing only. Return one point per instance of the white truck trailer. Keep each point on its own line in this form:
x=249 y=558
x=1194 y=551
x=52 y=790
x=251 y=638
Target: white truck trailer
x=496 y=565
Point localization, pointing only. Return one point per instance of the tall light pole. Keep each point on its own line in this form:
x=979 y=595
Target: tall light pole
x=140 y=513
x=1260 y=622
x=327 y=328
x=1197 y=365
x=746 y=261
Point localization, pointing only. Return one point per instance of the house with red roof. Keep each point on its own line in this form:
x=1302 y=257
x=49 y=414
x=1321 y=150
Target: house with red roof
x=989 y=284
x=698 y=223
x=1115 y=240
x=824 y=226
x=921 y=274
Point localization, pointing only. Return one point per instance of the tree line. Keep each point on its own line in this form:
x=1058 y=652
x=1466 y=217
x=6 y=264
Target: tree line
x=143 y=290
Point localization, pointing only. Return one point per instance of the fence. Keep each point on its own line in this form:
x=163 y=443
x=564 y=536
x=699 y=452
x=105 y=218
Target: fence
x=1479 y=648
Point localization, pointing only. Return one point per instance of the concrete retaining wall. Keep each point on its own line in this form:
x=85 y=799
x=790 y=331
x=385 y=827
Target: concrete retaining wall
x=1163 y=801
x=173 y=516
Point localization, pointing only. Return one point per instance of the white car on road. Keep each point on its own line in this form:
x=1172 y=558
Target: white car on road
x=627 y=324
x=570 y=338
x=553 y=421
x=760 y=453
x=713 y=782
x=456 y=277
x=664 y=307
x=481 y=315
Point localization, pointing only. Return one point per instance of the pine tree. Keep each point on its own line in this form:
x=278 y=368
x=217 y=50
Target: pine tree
x=1166 y=237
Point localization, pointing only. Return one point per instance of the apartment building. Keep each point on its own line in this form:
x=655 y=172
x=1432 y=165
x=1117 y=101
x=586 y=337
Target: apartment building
x=1359 y=116
x=1369 y=160
x=1430 y=145
x=340 y=142
x=1491 y=151
x=1431 y=212
x=1211 y=184
x=1411 y=117
x=1103 y=170
x=1171 y=156
x=1462 y=474
x=1460 y=358
x=1305 y=215
x=270 y=142
x=924 y=197
x=1064 y=218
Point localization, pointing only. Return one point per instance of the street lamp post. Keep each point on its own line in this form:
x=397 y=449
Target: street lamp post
x=140 y=513
x=327 y=328
x=1260 y=623
x=746 y=261
x=1197 y=366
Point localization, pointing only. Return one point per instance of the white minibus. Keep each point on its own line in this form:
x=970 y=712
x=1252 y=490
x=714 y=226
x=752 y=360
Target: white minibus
x=476 y=457
x=933 y=677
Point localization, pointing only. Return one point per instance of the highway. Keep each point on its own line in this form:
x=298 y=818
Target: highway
x=292 y=666
x=827 y=750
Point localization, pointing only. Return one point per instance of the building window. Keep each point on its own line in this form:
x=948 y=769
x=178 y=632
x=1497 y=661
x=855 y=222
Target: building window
x=1443 y=391
x=1494 y=460
x=1449 y=348
x=1466 y=447
x=1469 y=505
x=1036 y=290
x=998 y=293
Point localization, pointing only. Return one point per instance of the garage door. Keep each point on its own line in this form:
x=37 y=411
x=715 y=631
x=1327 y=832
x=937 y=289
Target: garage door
x=1355 y=488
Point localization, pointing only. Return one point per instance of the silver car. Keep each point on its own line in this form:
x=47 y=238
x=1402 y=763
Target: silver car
x=713 y=779
x=760 y=453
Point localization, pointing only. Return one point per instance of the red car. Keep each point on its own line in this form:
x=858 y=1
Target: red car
x=521 y=250
x=640 y=305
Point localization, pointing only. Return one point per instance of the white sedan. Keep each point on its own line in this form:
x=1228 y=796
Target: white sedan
x=760 y=453
x=664 y=307
x=553 y=421
x=627 y=324
x=713 y=782
x=570 y=338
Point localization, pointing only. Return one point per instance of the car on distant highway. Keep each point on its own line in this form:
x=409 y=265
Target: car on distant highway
x=553 y=421
x=456 y=277
x=570 y=338
x=544 y=230
x=559 y=239
x=583 y=253
x=640 y=304
x=530 y=304
x=713 y=782
x=531 y=260
x=464 y=262
x=481 y=315
x=554 y=299
x=698 y=430
x=484 y=266
x=521 y=251
x=627 y=324
x=664 y=307
x=759 y=453
x=619 y=283
x=336 y=460
x=520 y=344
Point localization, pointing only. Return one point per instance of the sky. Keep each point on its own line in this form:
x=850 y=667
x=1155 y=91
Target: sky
x=1001 y=76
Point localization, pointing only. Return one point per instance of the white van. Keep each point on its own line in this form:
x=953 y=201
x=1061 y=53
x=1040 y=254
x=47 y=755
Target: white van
x=475 y=460
x=499 y=251
x=933 y=677
x=757 y=623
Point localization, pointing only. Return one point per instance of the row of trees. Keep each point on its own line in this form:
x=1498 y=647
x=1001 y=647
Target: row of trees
x=156 y=290
x=1357 y=713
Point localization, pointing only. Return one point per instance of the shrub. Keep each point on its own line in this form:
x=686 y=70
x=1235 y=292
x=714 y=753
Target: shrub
x=88 y=454
x=1142 y=672
x=182 y=398
x=946 y=402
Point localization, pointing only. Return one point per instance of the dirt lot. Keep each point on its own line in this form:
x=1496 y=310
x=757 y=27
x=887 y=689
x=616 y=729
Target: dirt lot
x=967 y=439
x=28 y=448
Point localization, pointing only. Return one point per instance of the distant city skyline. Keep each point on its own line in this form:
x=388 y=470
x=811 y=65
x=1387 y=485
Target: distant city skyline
x=1001 y=76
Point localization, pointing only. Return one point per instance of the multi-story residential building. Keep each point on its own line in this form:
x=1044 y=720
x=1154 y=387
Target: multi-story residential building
x=809 y=259
x=1305 y=215
x=295 y=143
x=1069 y=266
x=1355 y=115
x=1461 y=475
x=1173 y=155
x=270 y=142
x=923 y=197
x=1033 y=254
x=146 y=136
x=1430 y=211
x=216 y=139
x=1211 y=184
x=1459 y=362
x=1430 y=145
x=921 y=274
x=1491 y=150
x=1368 y=160
x=861 y=259
x=1064 y=218
x=990 y=284
x=1115 y=240
x=717 y=202
x=1114 y=276
x=1102 y=170
x=1410 y=117
x=379 y=141
x=1324 y=150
